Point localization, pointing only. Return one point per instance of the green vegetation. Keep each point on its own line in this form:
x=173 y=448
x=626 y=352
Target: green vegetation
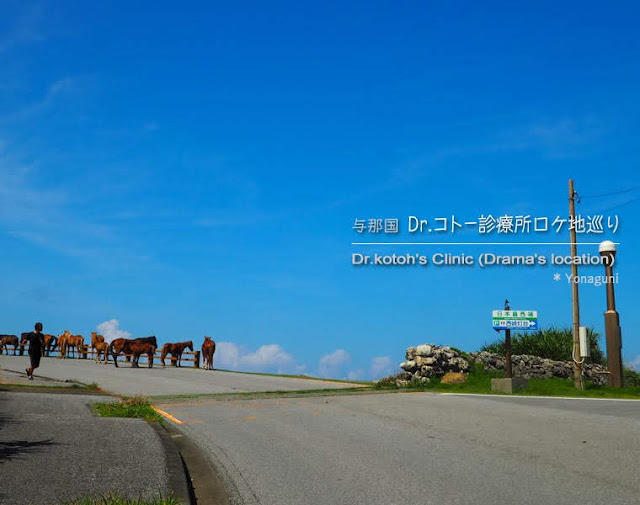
x=255 y=395
x=293 y=376
x=137 y=406
x=114 y=499
x=551 y=343
x=479 y=382
x=631 y=377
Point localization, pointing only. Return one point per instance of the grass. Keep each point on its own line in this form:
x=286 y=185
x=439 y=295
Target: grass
x=137 y=406
x=479 y=382
x=253 y=395
x=293 y=376
x=115 y=499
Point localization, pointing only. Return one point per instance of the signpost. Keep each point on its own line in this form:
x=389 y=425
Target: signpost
x=515 y=319
x=508 y=320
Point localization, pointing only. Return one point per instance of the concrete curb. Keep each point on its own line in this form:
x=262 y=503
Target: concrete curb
x=62 y=390
x=206 y=486
x=178 y=479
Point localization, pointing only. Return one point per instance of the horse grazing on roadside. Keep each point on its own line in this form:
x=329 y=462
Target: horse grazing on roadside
x=75 y=342
x=49 y=343
x=96 y=338
x=120 y=345
x=176 y=351
x=208 y=349
x=101 y=349
x=7 y=340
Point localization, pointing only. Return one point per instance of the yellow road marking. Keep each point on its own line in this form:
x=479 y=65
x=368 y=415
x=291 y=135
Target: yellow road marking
x=316 y=413
x=167 y=415
x=177 y=404
x=249 y=418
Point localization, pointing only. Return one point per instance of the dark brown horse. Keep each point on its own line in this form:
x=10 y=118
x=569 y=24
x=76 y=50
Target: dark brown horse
x=208 y=349
x=120 y=345
x=176 y=351
x=7 y=340
x=24 y=338
x=138 y=348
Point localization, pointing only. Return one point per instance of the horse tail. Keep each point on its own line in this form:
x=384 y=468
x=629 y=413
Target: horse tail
x=111 y=351
x=165 y=351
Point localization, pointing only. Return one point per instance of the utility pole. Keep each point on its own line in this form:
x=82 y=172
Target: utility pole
x=577 y=363
x=507 y=347
x=607 y=250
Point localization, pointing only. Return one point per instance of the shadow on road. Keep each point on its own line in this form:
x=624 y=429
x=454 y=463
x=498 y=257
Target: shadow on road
x=13 y=448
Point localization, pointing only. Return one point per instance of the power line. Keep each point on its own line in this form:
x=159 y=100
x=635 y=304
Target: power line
x=620 y=205
x=611 y=193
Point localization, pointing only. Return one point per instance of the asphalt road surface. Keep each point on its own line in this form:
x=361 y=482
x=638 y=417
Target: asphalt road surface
x=53 y=449
x=422 y=448
x=154 y=381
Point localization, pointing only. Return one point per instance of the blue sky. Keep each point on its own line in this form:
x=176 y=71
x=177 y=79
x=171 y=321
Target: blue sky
x=196 y=169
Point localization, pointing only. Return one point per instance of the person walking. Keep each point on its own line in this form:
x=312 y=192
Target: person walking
x=36 y=347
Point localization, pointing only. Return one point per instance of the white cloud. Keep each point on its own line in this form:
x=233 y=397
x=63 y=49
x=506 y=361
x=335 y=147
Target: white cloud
x=635 y=364
x=381 y=366
x=332 y=365
x=356 y=375
x=111 y=330
x=267 y=358
x=227 y=355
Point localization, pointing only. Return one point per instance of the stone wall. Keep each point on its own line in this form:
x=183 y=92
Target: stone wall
x=534 y=367
x=426 y=361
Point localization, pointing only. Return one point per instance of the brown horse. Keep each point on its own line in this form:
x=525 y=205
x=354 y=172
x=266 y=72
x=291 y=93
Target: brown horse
x=95 y=338
x=62 y=344
x=138 y=348
x=208 y=349
x=176 y=351
x=7 y=340
x=75 y=342
x=101 y=349
x=49 y=343
x=124 y=345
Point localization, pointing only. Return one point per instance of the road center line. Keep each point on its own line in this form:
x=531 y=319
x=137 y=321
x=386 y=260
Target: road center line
x=167 y=415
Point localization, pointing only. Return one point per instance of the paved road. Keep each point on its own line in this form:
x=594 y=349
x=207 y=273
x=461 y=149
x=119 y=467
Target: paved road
x=420 y=448
x=52 y=449
x=157 y=380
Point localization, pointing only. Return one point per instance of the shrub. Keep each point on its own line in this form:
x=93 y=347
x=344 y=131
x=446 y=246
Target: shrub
x=386 y=383
x=631 y=377
x=551 y=343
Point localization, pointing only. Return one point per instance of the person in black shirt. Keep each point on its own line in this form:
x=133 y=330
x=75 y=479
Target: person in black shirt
x=36 y=346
